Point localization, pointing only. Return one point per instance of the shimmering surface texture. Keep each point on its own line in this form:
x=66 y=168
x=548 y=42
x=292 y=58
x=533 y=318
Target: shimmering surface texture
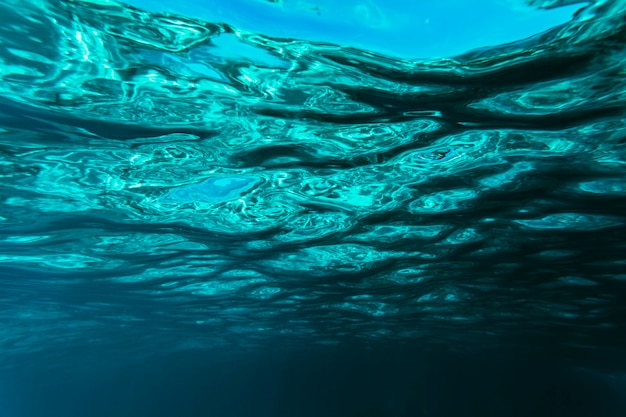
x=169 y=183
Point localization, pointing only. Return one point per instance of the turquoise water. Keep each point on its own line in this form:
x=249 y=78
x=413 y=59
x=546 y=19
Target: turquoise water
x=171 y=184
x=400 y=28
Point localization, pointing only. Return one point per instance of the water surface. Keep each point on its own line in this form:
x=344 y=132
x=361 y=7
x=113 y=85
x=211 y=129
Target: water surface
x=173 y=185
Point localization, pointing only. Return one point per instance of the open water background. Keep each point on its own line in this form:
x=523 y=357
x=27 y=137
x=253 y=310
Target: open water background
x=196 y=220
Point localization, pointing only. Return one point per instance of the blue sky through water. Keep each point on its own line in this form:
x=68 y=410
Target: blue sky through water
x=401 y=28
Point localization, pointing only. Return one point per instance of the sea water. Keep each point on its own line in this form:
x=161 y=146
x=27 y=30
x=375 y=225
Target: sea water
x=200 y=195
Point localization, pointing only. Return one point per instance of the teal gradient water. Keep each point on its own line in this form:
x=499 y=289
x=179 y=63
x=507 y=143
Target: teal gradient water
x=169 y=183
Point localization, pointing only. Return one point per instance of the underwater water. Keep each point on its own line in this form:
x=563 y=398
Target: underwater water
x=200 y=219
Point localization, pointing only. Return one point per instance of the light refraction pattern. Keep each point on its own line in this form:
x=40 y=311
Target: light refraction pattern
x=186 y=184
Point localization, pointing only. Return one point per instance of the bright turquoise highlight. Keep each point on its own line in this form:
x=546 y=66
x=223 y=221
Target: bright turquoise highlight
x=399 y=28
x=211 y=191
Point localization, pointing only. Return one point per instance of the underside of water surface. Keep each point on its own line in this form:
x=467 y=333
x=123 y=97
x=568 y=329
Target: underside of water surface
x=169 y=183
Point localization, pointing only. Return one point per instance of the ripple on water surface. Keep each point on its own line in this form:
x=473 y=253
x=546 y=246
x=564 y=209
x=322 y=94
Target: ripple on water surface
x=180 y=182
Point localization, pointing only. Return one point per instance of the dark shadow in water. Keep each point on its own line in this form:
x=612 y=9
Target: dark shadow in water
x=334 y=382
